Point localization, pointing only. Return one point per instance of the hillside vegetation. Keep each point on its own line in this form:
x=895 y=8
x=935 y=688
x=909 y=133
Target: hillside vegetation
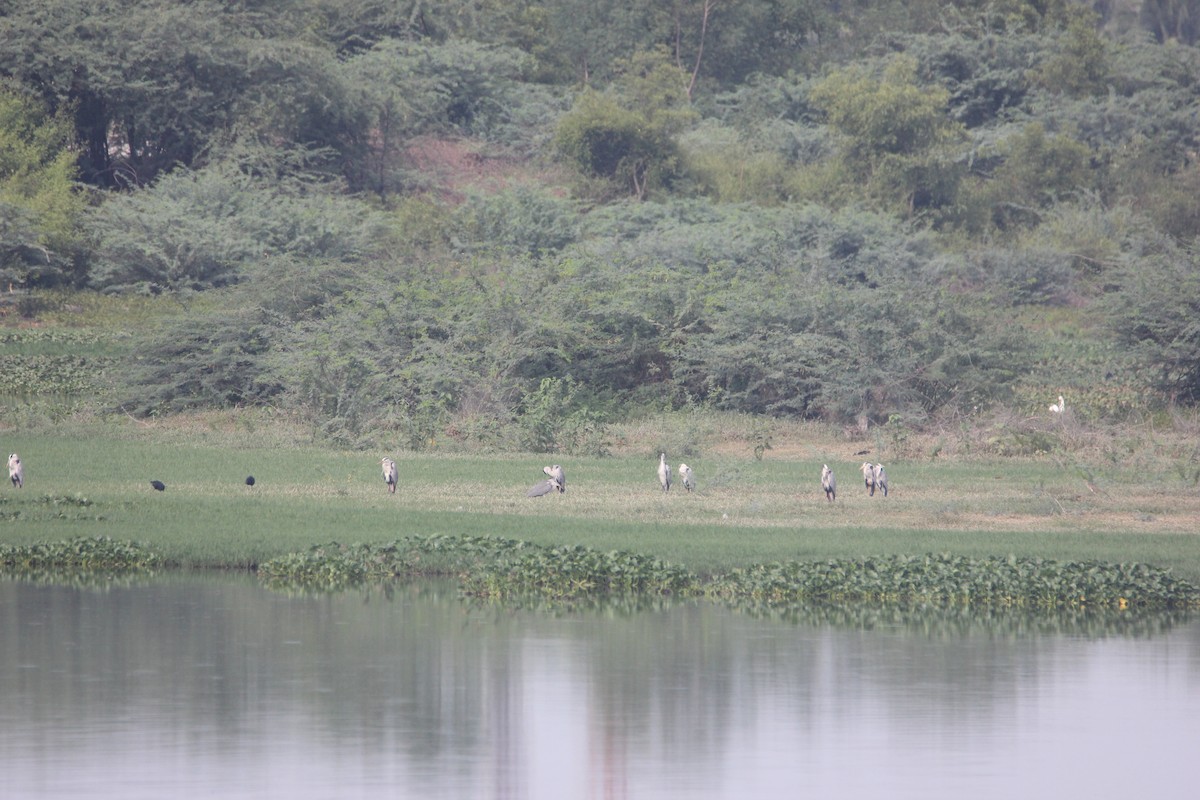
x=498 y=226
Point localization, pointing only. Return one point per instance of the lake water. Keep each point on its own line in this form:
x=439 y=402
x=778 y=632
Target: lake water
x=210 y=686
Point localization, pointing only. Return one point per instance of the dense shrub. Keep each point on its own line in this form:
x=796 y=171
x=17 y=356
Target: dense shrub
x=200 y=230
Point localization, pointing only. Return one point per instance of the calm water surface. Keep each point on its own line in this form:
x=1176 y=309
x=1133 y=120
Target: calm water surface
x=213 y=687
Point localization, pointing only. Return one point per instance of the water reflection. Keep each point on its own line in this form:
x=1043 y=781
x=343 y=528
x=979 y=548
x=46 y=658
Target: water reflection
x=210 y=686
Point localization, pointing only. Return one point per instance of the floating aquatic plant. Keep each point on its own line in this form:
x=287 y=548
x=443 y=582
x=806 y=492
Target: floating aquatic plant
x=950 y=579
x=507 y=569
x=339 y=566
x=99 y=553
x=576 y=571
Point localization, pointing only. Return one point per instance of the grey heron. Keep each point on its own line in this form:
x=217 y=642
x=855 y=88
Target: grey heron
x=544 y=487
x=828 y=483
x=389 y=474
x=558 y=475
x=16 y=471
x=664 y=472
x=868 y=471
x=880 y=479
x=685 y=475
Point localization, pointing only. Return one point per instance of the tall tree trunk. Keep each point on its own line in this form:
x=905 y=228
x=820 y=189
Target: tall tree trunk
x=705 y=13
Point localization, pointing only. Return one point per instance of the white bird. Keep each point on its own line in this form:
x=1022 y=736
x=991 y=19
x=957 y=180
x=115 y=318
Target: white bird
x=557 y=474
x=828 y=483
x=880 y=479
x=664 y=472
x=16 y=472
x=1060 y=406
x=389 y=474
x=868 y=471
x=685 y=475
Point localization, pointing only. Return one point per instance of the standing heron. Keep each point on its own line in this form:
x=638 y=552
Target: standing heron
x=664 y=472
x=880 y=478
x=389 y=474
x=1060 y=406
x=685 y=475
x=16 y=472
x=558 y=475
x=828 y=483
x=868 y=471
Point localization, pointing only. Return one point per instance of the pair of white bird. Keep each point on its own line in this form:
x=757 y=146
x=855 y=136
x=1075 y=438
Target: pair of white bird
x=874 y=476
x=664 y=474
x=16 y=471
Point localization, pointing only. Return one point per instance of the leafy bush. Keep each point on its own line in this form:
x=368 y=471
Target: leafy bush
x=1154 y=315
x=521 y=221
x=195 y=230
x=40 y=211
x=201 y=360
x=602 y=139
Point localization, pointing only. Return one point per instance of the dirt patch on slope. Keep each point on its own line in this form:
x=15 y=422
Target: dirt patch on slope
x=452 y=169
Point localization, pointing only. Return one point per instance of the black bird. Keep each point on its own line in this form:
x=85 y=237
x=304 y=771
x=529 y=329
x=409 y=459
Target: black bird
x=158 y=485
x=249 y=480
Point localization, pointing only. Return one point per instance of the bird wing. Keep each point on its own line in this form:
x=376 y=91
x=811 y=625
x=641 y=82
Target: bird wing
x=542 y=487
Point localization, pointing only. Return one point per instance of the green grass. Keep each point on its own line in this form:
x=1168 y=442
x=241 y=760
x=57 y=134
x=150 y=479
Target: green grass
x=745 y=512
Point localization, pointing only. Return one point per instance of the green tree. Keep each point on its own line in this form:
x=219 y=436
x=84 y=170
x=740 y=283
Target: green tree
x=898 y=136
x=40 y=207
x=1155 y=315
x=153 y=83
x=1038 y=170
x=1081 y=64
x=628 y=134
x=1168 y=20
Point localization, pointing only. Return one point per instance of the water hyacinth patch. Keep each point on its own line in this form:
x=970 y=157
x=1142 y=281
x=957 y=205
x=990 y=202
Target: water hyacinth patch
x=571 y=572
x=949 y=579
x=339 y=566
x=100 y=553
x=506 y=569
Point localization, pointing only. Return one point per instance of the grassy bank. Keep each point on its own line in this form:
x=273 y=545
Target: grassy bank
x=86 y=479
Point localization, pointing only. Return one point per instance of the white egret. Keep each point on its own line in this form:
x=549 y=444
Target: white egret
x=1060 y=406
